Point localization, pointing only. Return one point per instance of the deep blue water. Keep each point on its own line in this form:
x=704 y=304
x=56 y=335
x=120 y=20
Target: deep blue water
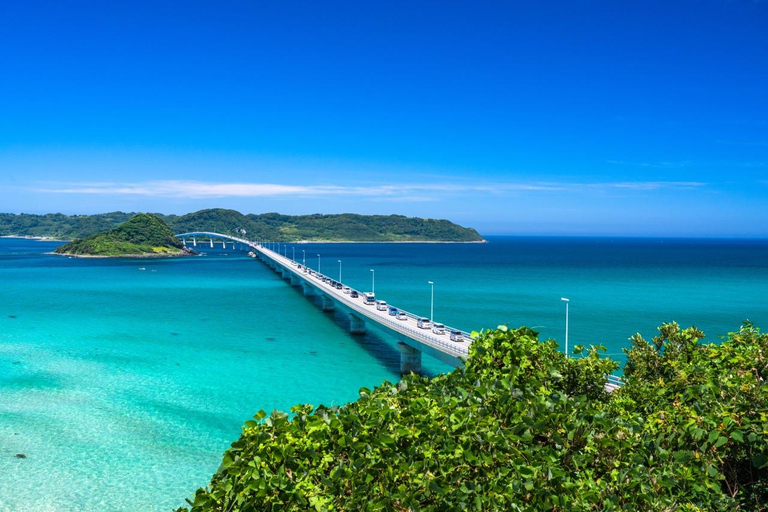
x=124 y=386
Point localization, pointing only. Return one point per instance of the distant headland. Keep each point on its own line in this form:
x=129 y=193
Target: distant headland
x=344 y=227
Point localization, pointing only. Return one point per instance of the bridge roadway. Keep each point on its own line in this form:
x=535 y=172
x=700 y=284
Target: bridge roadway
x=413 y=341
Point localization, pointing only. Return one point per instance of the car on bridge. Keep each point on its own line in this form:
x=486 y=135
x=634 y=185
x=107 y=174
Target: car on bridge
x=423 y=323
x=392 y=311
x=381 y=305
x=353 y=294
x=370 y=299
x=438 y=328
x=401 y=316
x=346 y=289
x=457 y=336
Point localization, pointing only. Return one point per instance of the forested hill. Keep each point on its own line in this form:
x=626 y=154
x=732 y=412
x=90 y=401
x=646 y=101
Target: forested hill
x=142 y=235
x=270 y=226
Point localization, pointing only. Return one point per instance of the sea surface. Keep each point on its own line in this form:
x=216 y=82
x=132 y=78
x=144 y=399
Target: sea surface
x=123 y=381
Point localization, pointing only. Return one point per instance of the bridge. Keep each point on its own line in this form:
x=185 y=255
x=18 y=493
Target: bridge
x=451 y=347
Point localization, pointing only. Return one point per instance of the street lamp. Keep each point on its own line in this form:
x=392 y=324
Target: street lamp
x=318 y=264
x=303 y=258
x=432 y=303
x=339 y=270
x=373 y=281
x=294 y=253
x=566 y=323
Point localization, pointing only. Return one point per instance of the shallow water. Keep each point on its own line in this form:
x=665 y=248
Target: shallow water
x=123 y=386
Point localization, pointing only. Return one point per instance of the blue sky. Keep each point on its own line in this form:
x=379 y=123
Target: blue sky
x=575 y=118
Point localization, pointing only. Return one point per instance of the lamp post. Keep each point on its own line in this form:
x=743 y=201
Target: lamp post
x=303 y=258
x=373 y=281
x=432 y=303
x=566 y=323
x=294 y=253
x=318 y=264
x=339 y=270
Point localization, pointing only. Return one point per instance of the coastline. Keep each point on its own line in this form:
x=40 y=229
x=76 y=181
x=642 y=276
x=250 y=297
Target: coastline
x=132 y=256
x=38 y=238
x=483 y=241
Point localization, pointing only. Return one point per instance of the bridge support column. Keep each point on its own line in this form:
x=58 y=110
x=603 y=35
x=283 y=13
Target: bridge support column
x=309 y=290
x=194 y=241
x=286 y=274
x=295 y=280
x=328 y=304
x=410 y=359
x=356 y=324
x=211 y=243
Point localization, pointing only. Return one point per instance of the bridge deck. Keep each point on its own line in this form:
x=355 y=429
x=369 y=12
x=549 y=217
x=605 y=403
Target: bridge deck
x=407 y=327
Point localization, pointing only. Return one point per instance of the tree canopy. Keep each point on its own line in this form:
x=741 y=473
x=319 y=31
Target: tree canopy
x=522 y=427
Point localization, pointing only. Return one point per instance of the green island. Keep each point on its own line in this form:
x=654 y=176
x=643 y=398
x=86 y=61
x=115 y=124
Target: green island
x=142 y=235
x=345 y=227
x=522 y=427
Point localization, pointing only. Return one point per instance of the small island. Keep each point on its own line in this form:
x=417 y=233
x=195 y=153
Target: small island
x=143 y=236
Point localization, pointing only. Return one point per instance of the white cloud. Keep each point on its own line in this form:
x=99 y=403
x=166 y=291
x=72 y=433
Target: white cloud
x=401 y=192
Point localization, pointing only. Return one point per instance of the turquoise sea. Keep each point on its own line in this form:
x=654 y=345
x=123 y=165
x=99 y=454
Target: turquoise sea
x=123 y=381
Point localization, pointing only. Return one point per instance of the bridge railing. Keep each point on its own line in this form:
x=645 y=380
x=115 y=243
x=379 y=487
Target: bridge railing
x=320 y=276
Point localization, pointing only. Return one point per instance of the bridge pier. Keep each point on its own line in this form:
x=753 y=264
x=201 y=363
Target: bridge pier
x=309 y=290
x=356 y=324
x=211 y=243
x=294 y=280
x=285 y=273
x=410 y=359
x=194 y=241
x=328 y=304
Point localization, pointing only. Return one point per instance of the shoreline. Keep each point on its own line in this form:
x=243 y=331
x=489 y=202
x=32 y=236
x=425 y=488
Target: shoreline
x=131 y=256
x=38 y=238
x=483 y=241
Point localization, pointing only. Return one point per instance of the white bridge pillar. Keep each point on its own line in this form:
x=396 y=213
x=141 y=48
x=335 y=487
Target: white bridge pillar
x=356 y=324
x=211 y=243
x=410 y=359
x=194 y=241
x=309 y=290
x=328 y=304
x=223 y=244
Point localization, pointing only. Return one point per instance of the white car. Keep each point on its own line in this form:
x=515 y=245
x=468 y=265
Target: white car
x=401 y=316
x=438 y=328
x=457 y=336
x=423 y=323
x=346 y=289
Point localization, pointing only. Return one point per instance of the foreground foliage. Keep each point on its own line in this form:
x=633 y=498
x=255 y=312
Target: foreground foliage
x=141 y=235
x=521 y=427
x=269 y=226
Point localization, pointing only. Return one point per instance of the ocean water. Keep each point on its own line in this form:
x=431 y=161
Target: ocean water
x=123 y=381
